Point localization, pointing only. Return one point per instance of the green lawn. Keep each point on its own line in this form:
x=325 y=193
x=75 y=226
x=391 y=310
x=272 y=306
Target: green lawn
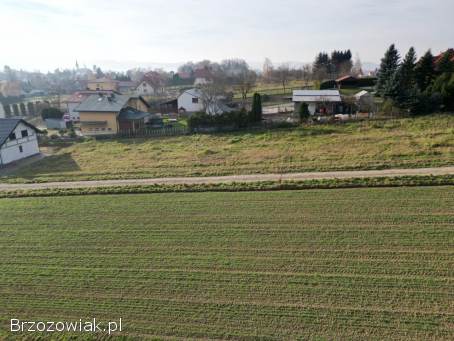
x=350 y=264
x=418 y=142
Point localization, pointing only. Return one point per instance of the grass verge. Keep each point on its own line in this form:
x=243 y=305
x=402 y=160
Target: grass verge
x=400 y=181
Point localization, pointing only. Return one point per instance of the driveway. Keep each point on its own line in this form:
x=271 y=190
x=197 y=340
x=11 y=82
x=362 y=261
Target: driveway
x=236 y=178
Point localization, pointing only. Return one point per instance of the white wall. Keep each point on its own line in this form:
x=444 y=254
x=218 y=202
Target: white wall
x=186 y=101
x=10 y=152
x=312 y=107
x=2 y=111
x=73 y=115
x=145 y=89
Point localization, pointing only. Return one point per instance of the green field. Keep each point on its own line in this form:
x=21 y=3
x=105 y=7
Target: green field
x=293 y=265
x=406 y=143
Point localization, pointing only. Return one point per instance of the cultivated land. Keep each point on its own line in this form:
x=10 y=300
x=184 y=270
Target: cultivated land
x=403 y=143
x=315 y=264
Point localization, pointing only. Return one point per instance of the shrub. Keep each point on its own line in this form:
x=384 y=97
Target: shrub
x=304 y=112
x=234 y=119
x=256 y=112
x=330 y=84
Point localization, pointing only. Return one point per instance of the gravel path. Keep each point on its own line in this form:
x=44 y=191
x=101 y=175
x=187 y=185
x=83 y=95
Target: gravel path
x=235 y=178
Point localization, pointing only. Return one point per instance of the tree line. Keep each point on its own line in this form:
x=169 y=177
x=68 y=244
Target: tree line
x=417 y=86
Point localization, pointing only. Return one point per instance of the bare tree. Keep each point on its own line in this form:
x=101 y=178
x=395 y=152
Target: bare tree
x=283 y=74
x=213 y=92
x=357 y=69
x=306 y=74
x=268 y=69
x=246 y=83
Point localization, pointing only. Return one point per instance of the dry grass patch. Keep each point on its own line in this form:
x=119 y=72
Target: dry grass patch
x=418 y=142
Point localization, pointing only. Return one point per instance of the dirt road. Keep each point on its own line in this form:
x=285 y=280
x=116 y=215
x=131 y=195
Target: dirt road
x=235 y=178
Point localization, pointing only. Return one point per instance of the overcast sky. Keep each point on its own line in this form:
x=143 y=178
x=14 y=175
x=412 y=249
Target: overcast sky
x=47 y=34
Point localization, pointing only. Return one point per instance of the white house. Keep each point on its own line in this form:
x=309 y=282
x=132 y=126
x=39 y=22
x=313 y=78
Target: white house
x=190 y=101
x=146 y=88
x=202 y=81
x=318 y=101
x=18 y=140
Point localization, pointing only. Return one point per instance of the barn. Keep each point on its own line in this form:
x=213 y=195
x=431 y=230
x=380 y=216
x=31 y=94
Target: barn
x=18 y=140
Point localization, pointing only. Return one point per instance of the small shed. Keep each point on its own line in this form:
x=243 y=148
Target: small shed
x=364 y=101
x=55 y=123
x=318 y=101
x=130 y=119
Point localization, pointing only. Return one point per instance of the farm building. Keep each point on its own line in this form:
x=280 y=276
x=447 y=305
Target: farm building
x=324 y=102
x=18 y=140
x=346 y=81
x=109 y=114
x=169 y=107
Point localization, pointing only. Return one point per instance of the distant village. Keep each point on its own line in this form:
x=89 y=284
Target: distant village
x=209 y=96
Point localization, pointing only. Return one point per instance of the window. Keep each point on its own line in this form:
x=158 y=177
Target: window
x=12 y=136
x=24 y=133
x=21 y=150
x=195 y=100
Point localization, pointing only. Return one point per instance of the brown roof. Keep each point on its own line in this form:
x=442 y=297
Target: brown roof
x=344 y=78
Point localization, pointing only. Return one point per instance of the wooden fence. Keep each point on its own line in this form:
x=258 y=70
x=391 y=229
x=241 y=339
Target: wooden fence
x=154 y=132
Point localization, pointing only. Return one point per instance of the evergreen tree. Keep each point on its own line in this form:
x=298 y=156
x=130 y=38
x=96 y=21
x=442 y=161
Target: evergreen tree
x=322 y=66
x=256 y=112
x=341 y=62
x=388 y=67
x=425 y=71
x=304 y=112
x=406 y=88
x=446 y=63
x=392 y=88
x=443 y=86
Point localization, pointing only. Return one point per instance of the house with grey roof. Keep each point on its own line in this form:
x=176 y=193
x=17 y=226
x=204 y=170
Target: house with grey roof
x=18 y=140
x=110 y=114
x=319 y=102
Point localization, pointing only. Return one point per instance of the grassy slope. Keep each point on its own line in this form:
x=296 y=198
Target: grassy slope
x=318 y=264
x=427 y=141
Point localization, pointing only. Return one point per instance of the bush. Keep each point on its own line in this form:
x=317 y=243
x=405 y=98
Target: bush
x=426 y=104
x=256 y=111
x=304 y=112
x=366 y=82
x=234 y=119
x=331 y=84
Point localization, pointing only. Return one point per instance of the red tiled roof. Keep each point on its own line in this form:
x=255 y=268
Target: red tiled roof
x=438 y=58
